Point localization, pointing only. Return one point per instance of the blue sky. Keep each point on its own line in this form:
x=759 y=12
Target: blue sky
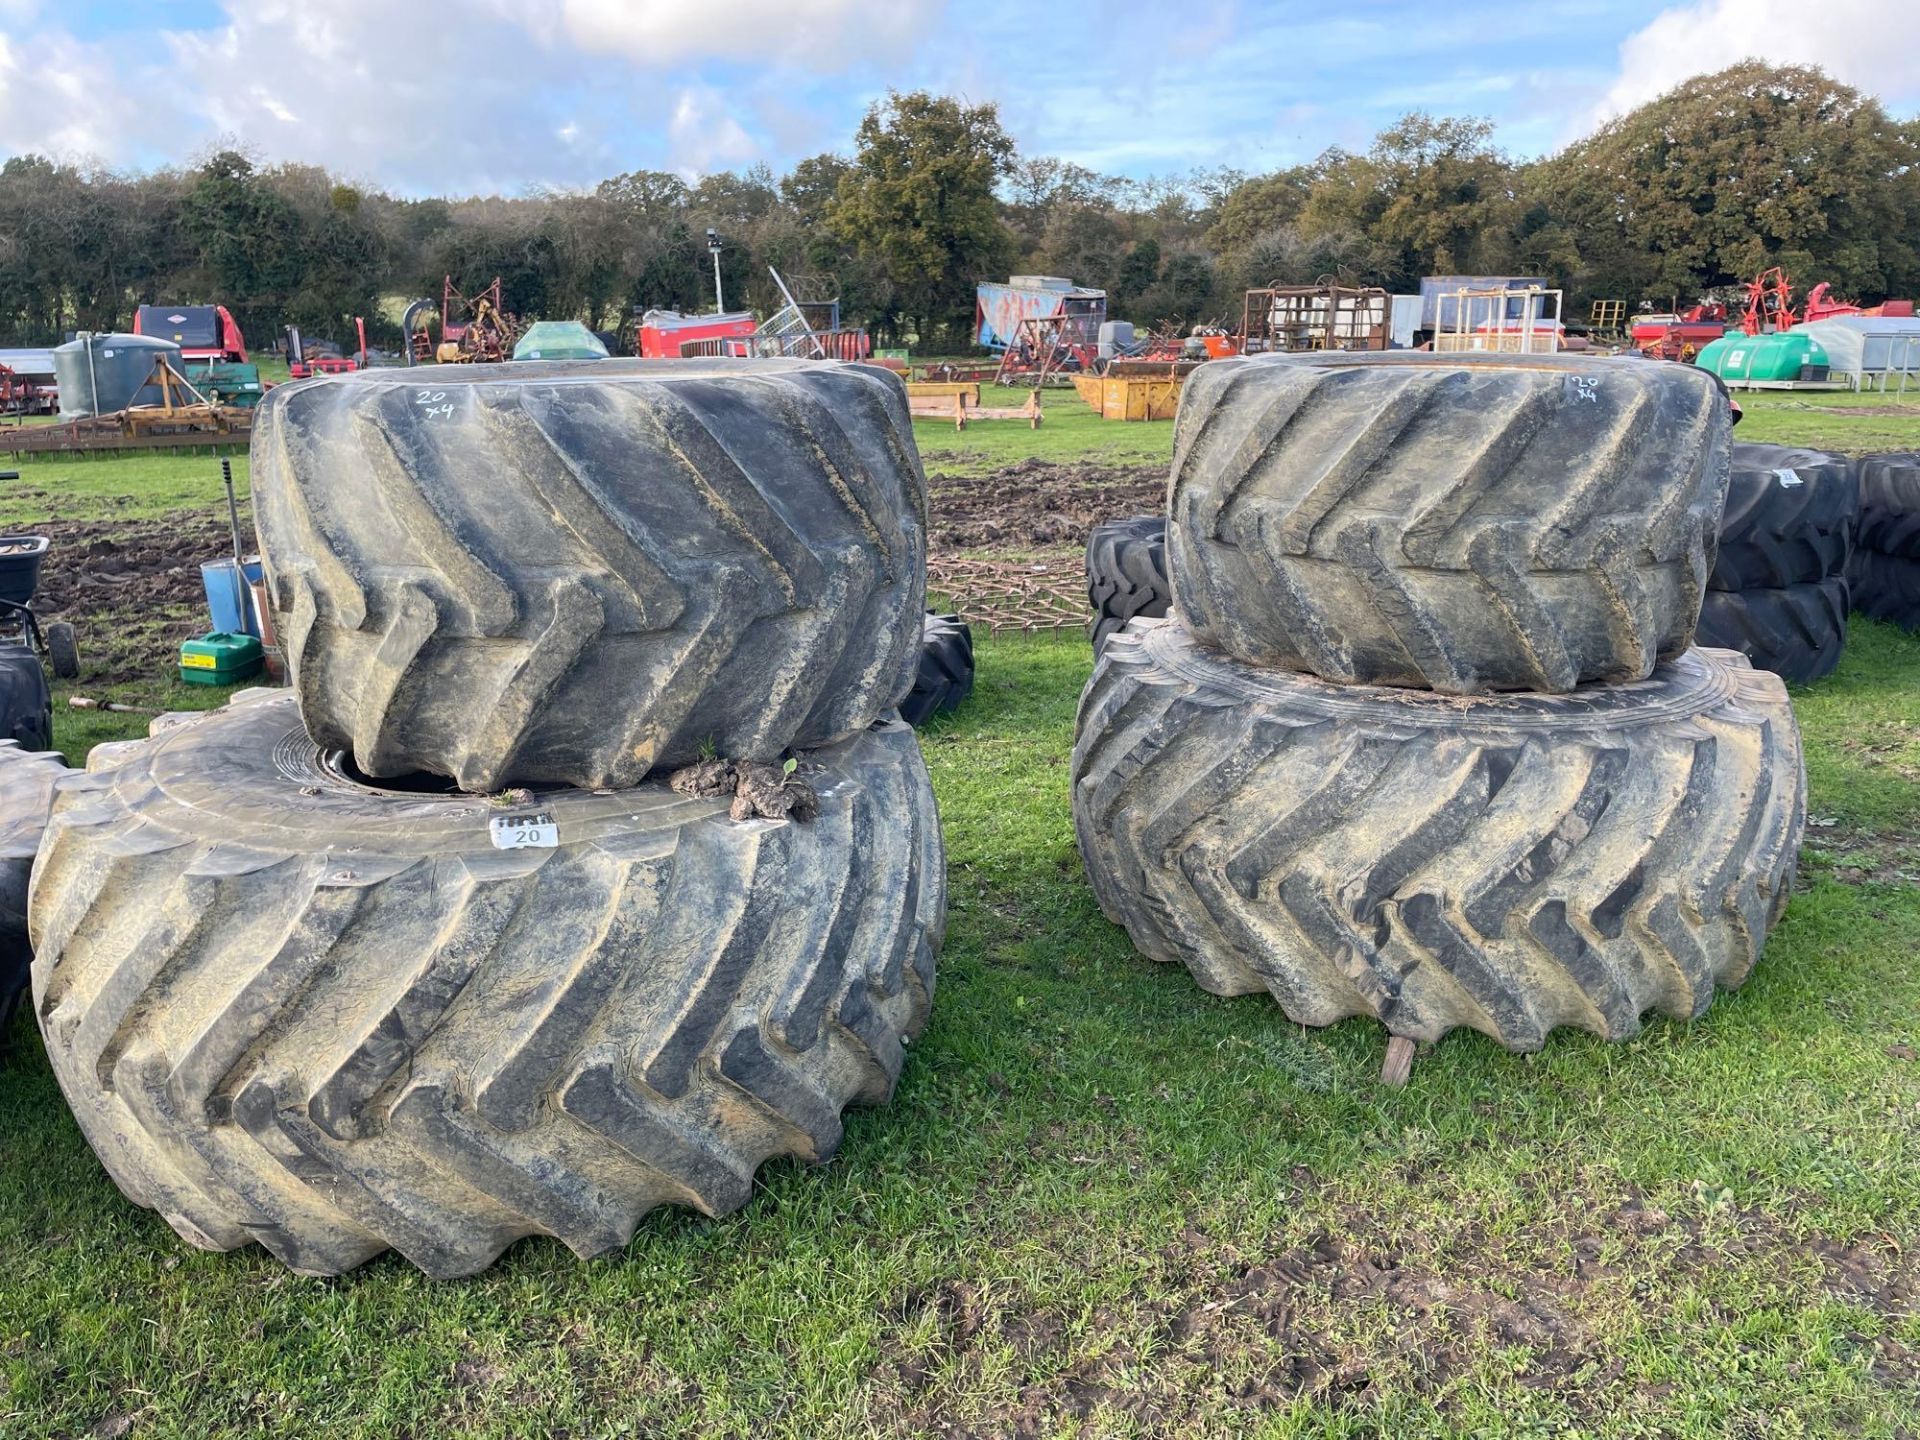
x=465 y=96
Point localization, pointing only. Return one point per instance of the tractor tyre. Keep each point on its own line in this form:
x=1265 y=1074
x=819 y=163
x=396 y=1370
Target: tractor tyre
x=945 y=677
x=1890 y=504
x=63 y=650
x=290 y=1007
x=1126 y=574
x=26 y=796
x=1796 y=631
x=26 y=704
x=1886 y=587
x=1460 y=523
x=1508 y=864
x=578 y=572
x=1790 y=518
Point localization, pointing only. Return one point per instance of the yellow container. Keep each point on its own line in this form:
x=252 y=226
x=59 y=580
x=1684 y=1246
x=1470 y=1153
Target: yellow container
x=1131 y=397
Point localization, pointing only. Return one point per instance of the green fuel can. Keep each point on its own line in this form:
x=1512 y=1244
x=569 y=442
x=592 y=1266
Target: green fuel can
x=220 y=659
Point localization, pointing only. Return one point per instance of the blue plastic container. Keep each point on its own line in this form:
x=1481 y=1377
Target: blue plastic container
x=231 y=606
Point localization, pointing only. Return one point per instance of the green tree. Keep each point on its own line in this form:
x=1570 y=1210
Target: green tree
x=1730 y=173
x=919 y=201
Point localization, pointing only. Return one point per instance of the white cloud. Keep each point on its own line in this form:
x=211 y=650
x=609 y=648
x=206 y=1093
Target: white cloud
x=822 y=33
x=59 y=97
x=1872 y=44
x=704 y=134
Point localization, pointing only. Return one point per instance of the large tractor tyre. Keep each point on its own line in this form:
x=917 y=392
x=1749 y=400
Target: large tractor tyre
x=1886 y=587
x=577 y=572
x=1458 y=523
x=289 y=1007
x=1796 y=631
x=1126 y=574
x=1890 y=504
x=1790 y=518
x=1508 y=864
x=26 y=796
x=945 y=676
x=26 y=704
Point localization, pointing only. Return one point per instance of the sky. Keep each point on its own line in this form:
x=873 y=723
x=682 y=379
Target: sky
x=459 y=97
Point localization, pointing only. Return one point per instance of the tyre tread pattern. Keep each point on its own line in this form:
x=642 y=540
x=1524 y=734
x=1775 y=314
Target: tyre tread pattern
x=1790 y=518
x=1454 y=523
x=1430 y=863
x=442 y=1050
x=945 y=676
x=1796 y=631
x=1126 y=574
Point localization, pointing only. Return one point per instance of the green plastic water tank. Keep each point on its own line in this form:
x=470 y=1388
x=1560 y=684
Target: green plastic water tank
x=1786 y=355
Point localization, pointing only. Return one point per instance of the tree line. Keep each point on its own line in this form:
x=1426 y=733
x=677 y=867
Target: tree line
x=1694 y=192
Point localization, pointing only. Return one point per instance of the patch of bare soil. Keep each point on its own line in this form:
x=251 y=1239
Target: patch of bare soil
x=1341 y=1320
x=1038 y=504
x=1864 y=857
x=131 y=588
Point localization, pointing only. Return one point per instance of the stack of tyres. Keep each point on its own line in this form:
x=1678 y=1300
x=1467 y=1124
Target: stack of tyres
x=1886 y=562
x=1425 y=736
x=427 y=954
x=1778 y=591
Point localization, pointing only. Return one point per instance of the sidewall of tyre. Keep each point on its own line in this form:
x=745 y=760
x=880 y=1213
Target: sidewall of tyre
x=1456 y=523
x=289 y=1008
x=578 y=572
x=1508 y=865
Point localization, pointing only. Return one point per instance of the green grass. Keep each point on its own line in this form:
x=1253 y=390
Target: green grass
x=116 y=487
x=1831 y=420
x=1104 y=1203
x=1070 y=433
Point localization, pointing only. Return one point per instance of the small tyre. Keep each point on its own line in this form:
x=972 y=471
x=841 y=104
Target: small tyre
x=1886 y=587
x=1508 y=864
x=577 y=572
x=1126 y=574
x=26 y=704
x=1797 y=631
x=1790 y=518
x=287 y=1006
x=1451 y=522
x=63 y=650
x=1890 y=504
x=945 y=677
x=26 y=796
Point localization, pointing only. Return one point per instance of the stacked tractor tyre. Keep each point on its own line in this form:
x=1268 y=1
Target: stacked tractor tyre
x=1778 y=592
x=1886 y=562
x=428 y=954
x=1425 y=736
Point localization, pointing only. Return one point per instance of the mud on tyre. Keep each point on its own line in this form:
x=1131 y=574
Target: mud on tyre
x=1508 y=864
x=291 y=1008
x=1443 y=521
x=578 y=572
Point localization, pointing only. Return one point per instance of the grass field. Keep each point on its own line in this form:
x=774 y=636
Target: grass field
x=1104 y=1203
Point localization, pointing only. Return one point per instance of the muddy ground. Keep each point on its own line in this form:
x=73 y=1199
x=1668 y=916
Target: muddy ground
x=131 y=588
x=1037 y=505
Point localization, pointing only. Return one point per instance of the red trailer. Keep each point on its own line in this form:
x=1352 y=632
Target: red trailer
x=669 y=335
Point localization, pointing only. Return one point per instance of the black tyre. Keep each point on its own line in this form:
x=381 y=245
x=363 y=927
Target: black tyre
x=26 y=704
x=288 y=1007
x=1886 y=587
x=578 y=572
x=63 y=649
x=1890 y=504
x=26 y=796
x=1797 y=631
x=1508 y=864
x=1459 y=523
x=1790 y=518
x=1126 y=574
x=945 y=677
